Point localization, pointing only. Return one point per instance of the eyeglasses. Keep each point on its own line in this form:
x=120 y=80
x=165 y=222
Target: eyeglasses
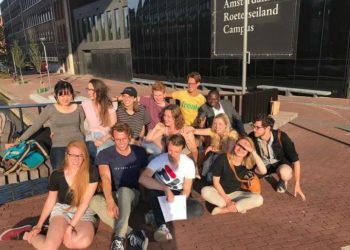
x=88 y=89
x=75 y=156
x=256 y=127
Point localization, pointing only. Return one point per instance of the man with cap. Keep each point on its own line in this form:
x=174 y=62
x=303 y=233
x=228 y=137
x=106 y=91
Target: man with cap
x=133 y=114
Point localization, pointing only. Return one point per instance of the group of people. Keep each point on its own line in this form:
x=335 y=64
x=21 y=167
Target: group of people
x=149 y=144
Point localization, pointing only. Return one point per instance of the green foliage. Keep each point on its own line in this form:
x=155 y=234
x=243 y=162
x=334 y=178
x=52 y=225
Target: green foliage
x=18 y=57
x=35 y=55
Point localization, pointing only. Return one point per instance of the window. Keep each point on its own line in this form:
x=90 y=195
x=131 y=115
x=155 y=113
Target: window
x=95 y=24
x=109 y=23
x=90 y=28
x=103 y=26
x=126 y=22
x=117 y=24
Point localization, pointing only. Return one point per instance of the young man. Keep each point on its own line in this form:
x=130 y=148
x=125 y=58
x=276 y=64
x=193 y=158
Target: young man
x=278 y=153
x=121 y=165
x=155 y=103
x=190 y=99
x=173 y=175
x=213 y=107
x=133 y=114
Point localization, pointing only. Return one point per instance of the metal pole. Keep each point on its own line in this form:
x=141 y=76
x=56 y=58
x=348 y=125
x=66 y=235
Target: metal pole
x=47 y=64
x=245 y=41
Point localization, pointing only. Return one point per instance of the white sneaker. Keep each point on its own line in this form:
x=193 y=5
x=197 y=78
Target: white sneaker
x=162 y=234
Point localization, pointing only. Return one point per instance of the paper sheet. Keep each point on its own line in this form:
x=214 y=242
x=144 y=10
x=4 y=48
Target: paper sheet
x=175 y=210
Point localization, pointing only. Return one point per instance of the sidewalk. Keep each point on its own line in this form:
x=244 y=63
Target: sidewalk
x=283 y=222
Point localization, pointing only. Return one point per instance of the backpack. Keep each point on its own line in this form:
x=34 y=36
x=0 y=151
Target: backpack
x=26 y=155
x=7 y=129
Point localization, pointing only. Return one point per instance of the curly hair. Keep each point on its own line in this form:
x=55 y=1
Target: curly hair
x=177 y=115
x=102 y=100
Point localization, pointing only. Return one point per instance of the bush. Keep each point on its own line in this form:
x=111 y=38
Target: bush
x=5 y=75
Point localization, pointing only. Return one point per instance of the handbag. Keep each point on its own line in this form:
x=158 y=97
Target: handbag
x=26 y=155
x=250 y=181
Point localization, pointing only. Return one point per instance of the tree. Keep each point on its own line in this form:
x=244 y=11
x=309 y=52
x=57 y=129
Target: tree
x=36 y=59
x=18 y=57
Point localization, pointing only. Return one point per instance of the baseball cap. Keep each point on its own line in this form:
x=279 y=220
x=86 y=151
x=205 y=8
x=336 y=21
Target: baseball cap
x=131 y=91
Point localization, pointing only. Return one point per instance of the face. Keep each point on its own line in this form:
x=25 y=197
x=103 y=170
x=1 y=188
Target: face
x=128 y=100
x=240 y=148
x=220 y=126
x=174 y=153
x=214 y=101
x=168 y=118
x=158 y=96
x=91 y=91
x=121 y=140
x=258 y=129
x=75 y=156
x=65 y=98
x=192 y=85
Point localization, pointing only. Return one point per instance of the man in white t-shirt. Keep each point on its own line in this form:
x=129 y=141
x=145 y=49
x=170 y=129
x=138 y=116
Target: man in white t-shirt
x=173 y=175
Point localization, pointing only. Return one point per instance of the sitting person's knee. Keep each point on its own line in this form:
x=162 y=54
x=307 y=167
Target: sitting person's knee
x=285 y=172
x=205 y=192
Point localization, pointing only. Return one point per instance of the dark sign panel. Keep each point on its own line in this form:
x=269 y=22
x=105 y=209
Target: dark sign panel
x=272 y=28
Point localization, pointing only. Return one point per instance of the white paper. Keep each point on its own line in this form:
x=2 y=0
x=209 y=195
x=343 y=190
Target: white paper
x=175 y=210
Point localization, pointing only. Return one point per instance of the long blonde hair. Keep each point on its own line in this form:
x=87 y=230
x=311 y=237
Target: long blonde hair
x=221 y=142
x=248 y=160
x=81 y=180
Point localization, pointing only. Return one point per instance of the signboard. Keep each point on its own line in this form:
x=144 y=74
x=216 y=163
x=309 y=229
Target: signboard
x=272 y=28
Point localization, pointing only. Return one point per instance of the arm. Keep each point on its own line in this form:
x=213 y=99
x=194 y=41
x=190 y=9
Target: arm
x=220 y=190
x=187 y=187
x=81 y=119
x=297 y=188
x=203 y=131
x=260 y=166
x=192 y=146
x=105 y=174
x=149 y=182
x=113 y=120
x=155 y=134
x=43 y=117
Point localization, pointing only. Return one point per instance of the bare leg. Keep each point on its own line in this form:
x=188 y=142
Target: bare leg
x=54 y=237
x=81 y=237
x=284 y=172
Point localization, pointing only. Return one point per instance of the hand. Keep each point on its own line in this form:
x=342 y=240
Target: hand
x=169 y=194
x=35 y=230
x=209 y=149
x=228 y=201
x=297 y=190
x=8 y=145
x=98 y=143
x=232 y=208
x=69 y=233
x=112 y=209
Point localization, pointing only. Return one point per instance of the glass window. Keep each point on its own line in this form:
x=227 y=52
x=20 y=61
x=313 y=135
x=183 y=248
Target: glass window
x=103 y=26
x=126 y=22
x=109 y=23
x=90 y=28
x=117 y=23
x=95 y=23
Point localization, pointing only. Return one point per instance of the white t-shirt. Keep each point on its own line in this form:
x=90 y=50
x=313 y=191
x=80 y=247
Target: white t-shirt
x=172 y=176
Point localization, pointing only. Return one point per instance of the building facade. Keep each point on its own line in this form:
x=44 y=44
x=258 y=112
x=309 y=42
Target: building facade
x=170 y=38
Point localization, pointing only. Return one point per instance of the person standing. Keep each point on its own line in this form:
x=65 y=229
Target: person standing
x=120 y=165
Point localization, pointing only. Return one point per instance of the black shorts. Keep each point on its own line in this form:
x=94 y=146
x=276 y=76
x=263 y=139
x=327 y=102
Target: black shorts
x=272 y=168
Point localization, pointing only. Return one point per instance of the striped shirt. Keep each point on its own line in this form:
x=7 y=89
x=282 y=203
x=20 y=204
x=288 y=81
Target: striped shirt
x=136 y=121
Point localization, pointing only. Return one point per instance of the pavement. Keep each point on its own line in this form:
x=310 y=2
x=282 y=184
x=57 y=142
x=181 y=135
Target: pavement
x=283 y=222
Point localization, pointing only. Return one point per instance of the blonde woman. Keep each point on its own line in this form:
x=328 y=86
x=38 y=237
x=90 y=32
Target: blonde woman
x=70 y=190
x=222 y=140
x=225 y=193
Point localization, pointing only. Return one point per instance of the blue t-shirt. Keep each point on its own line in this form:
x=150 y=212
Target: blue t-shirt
x=125 y=170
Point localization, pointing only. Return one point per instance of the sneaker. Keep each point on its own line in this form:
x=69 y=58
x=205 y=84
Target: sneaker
x=162 y=234
x=15 y=233
x=281 y=186
x=117 y=243
x=138 y=239
x=149 y=218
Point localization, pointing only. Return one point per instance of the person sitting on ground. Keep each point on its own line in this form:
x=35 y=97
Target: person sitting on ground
x=226 y=193
x=173 y=175
x=119 y=167
x=70 y=190
x=133 y=114
x=65 y=119
x=222 y=140
x=215 y=106
x=172 y=122
x=100 y=117
x=190 y=99
x=278 y=153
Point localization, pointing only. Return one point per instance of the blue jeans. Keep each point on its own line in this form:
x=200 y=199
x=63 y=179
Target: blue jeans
x=57 y=157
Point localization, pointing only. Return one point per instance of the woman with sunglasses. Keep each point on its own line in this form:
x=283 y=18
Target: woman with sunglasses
x=100 y=117
x=65 y=119
x=70 y=190
x=226 y=193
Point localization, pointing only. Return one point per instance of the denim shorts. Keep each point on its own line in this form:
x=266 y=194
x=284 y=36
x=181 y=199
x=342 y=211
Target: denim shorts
x=61 y=210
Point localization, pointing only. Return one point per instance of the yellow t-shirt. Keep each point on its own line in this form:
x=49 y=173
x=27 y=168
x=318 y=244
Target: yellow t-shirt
x=189 y=105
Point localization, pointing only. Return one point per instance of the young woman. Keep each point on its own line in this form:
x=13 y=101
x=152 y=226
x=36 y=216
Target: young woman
x=172 y=122
x=100 y=116
x=222 y=140
x=65 y=119
x=225 y=192
x=70 y=190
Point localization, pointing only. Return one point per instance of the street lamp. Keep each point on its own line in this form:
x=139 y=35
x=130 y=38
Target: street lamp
x=42 y=39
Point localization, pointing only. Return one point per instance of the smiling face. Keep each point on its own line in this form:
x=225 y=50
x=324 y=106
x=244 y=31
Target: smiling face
x=240 y=147
x=192 y=85
x=174 y=153
x=65 y=98
x=121 y=140
x=219 y=125
x=91 y=91
x=158 y=97
x=75 y=157
x=168 y=118
x=214 y=100
x=128 y=100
